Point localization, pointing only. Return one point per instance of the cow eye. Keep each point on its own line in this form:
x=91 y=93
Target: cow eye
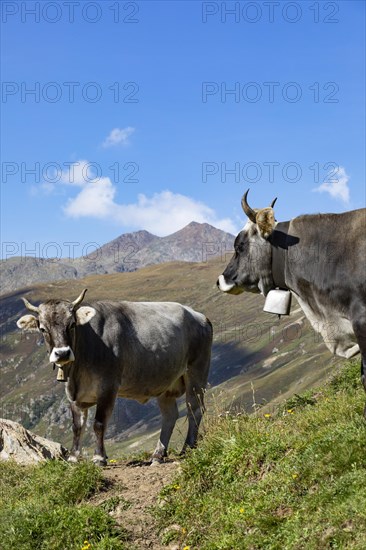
x=42 y=329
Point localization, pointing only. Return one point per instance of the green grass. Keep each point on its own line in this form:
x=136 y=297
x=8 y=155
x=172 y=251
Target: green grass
x=45 y=507
x=293 y=479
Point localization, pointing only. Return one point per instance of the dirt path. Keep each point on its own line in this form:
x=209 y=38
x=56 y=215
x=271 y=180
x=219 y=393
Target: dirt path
x=133 y=488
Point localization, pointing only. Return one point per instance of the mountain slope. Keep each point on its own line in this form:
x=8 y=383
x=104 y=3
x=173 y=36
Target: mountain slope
x=257 y=360
x=194 y=243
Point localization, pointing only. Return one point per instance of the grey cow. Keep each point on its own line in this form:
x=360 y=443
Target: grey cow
x=320 y=258
x=136 y=350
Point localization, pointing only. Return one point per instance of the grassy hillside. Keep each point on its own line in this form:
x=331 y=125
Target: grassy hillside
x=48 y=507
x=293 y=479
x=257 y=359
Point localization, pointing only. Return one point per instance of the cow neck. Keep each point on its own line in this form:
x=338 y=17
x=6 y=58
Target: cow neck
x=279 y=246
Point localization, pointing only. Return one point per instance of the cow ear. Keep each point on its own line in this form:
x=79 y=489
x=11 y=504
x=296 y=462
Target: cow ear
x=28 y=322
x=84 y=314
x=266 y=222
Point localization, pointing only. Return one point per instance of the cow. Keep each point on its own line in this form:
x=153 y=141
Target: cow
x=137 y=350
x=320 y=258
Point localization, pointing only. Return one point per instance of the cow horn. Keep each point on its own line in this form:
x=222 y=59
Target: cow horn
x=80 y=298
x=273 y=202
x=30 y=306
x=247 y=210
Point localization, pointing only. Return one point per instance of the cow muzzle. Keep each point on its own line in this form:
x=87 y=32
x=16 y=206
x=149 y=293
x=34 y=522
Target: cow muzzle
x=62 y=356
x=229 y=288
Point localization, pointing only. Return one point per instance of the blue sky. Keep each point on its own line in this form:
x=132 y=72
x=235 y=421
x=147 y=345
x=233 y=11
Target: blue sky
x=147 y=115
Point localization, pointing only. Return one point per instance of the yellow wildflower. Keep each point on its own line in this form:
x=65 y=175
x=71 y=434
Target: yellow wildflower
x=186 y=548
x=290 y=411
x=112 y=461
x=242 y=510
x=295 y=476
x=267 y=415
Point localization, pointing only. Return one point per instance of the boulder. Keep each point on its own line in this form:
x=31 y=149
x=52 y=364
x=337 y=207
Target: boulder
x=25 y=447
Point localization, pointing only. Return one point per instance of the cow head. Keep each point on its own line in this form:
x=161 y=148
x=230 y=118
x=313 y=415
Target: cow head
x=250 y=267
x=57 y=320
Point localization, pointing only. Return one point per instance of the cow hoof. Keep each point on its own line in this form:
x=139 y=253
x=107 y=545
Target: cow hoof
x=99 y=460
x=156 y=460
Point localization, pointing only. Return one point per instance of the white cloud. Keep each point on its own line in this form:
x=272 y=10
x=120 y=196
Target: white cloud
x=161 y=214
x=95 y=200
x=118 y=136
x=336 y=185
x=45 y=188
x=78 y=173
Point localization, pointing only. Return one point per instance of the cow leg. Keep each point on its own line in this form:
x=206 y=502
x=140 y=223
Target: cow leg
x=102 y=415
x=359 y=327
x=79 y=417
x=195 y=410
x=195 y=382
x=169 y=413
x=363 y=377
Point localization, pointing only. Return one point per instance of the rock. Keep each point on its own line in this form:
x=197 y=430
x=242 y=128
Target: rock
x=25 y=447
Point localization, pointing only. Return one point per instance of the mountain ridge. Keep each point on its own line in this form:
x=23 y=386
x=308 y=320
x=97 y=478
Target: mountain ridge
x=128 y=252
